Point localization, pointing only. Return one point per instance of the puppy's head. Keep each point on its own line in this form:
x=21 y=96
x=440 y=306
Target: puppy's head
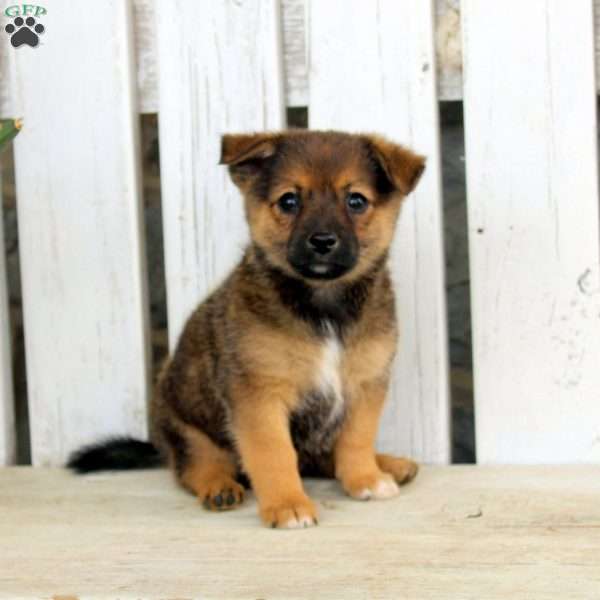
x=321 y=206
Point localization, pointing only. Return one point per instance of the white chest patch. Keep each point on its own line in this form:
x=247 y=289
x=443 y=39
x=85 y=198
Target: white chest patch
x=328 y=377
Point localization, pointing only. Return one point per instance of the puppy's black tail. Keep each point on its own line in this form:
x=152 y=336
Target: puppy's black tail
x=115 y=454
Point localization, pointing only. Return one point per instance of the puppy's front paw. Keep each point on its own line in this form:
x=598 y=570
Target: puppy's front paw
x=289 y=513
x=374 y=485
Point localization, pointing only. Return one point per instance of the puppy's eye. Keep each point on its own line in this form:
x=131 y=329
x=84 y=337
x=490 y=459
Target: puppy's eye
x=357 y=203
x=289 y=203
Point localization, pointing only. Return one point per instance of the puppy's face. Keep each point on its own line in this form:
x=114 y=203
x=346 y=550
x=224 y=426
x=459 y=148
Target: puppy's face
x=321 y=206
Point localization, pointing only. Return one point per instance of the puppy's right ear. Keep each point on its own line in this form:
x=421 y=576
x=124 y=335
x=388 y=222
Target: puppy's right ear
x=246 y=154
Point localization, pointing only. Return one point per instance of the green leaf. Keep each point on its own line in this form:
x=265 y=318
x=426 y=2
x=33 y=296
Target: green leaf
x=8 y=129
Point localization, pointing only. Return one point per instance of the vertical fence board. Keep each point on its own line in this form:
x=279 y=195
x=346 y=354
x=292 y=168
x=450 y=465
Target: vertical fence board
x=77 y=173
x=7 y=417
x=372 y=68
x=532 y=179
x=220 y=71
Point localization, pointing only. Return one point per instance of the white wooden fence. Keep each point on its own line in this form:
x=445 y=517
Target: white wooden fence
x=210 y=67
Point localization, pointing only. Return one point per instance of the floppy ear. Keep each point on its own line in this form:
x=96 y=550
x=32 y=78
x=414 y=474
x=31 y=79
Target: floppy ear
x=400 y=168
x=240 y=147
x=245 y=155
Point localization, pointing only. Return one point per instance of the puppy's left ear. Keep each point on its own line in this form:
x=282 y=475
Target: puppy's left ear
x=245 y=155
x=399 y=168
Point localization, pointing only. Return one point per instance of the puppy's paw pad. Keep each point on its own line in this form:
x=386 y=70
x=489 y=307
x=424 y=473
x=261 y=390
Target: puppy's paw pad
x=378 y=487
x=295 y=513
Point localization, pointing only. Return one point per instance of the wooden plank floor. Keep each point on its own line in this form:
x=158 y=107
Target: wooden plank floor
x=456 y=532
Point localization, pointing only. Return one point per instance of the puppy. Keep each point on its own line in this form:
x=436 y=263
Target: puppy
x=283 y=370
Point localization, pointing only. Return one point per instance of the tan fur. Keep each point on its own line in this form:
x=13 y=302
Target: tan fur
x=264 y=442
x=244 y=392
x=355 y=463
x=210 y=472
x=401 y=469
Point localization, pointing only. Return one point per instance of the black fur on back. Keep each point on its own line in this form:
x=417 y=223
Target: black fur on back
x=115 y=454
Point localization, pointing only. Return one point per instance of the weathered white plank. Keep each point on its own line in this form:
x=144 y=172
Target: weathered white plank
x=294 y=52
x=6 y=108
x=77 y=175
x=532 y=169
x=293 y=17
x=385 y=82
x=7 y=416
x=455 y=533
x=144 y=19
x=448 y=44
x=220 y=72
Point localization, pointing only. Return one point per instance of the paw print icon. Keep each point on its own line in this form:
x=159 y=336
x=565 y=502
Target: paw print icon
x=24 y=31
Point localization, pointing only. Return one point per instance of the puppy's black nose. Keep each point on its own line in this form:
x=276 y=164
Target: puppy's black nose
x=322 y=243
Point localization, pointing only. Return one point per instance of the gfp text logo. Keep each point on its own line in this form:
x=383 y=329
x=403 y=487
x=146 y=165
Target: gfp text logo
x=24 y=29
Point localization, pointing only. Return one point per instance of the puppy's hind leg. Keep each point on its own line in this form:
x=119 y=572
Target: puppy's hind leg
x=401 y=469
x=204 y=468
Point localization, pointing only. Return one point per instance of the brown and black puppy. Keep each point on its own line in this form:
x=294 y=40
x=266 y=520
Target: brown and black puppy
x=283 y=370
